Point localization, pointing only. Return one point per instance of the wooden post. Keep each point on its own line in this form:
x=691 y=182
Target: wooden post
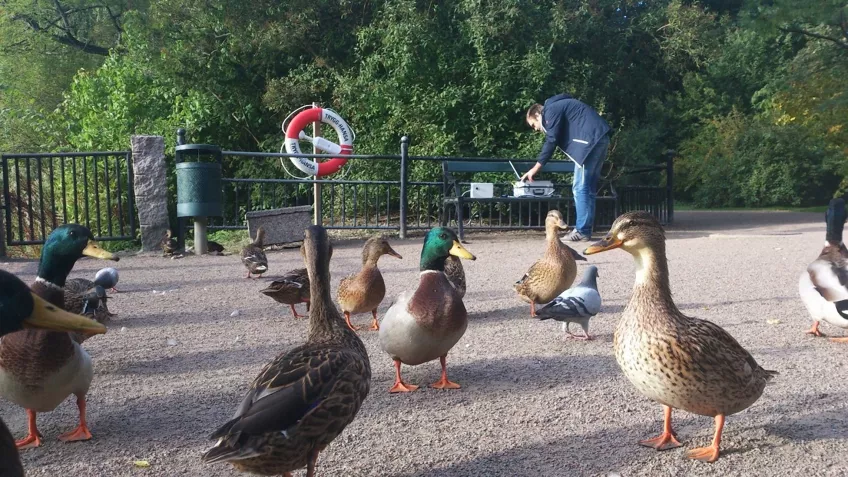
x=316 y=186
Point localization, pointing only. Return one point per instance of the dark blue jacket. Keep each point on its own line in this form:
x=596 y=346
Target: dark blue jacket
x=573 y=126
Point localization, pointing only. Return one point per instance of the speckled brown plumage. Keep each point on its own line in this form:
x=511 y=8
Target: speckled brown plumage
x=364 y=291
x=305 y=397
x=553 y=273
x=76 y=292
x=290 y=289
x=679 y=361
x=456 y=274
x=169 y=244
x=253 y=257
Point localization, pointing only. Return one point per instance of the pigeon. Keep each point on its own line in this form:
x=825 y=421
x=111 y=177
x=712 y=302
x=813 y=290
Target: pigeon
x=576 y=305
x=107 y=278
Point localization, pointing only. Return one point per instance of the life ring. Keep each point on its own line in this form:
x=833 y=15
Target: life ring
x=294 y=133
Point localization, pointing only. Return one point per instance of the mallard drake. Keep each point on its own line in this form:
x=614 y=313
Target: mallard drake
x=365 y=290
x=824 y=285
x=554 y=272
x=39 y=369
x=20 y=308
x=290 y=289
x=305 y=398
x=253 y=256
x=679 y=361
x=425 y=325
x=456 y=274
x=169 y=244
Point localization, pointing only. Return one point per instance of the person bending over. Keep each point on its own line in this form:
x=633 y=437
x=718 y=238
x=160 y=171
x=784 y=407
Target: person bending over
x=584 y=137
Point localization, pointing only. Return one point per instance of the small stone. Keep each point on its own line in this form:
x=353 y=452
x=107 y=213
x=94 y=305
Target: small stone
x=123 y=329
x=171 y=342
x=235 y=313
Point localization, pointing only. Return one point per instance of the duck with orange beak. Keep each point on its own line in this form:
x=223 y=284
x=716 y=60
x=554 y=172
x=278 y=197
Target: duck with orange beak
x=679 y=361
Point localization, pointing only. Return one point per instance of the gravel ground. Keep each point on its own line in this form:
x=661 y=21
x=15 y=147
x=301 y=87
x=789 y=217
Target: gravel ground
x=175 y=363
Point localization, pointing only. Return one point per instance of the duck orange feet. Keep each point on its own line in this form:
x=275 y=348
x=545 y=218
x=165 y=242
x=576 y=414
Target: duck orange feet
x=81 y=433
x=400 y=386
x=667 y=440
x=664 y=441
x=349 y=324
x=33 y=438
x=375 y=325
x=704 y=454
x=443 y=383
x=815 y=330
x=843 y=339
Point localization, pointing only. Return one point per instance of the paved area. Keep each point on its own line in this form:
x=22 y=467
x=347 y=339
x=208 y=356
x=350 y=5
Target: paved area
x=176 y=362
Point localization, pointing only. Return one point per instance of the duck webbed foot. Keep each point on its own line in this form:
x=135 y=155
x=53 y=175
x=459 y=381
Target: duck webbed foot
x=667 y=440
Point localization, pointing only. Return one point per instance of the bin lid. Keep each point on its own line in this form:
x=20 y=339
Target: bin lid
x=201 y=148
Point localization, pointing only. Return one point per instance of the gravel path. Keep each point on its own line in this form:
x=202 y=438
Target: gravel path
x=175 y=363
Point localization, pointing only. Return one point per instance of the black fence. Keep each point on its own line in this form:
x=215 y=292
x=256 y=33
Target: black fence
x=43 y=191
x=404 y=204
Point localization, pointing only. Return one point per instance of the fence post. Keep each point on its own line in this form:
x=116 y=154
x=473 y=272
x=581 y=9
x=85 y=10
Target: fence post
x=318 y=206
x=181 y=225
x=669 y=183
x=404 y=172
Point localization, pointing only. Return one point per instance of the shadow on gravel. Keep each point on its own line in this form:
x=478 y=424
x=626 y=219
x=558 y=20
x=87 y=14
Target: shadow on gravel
x=201 y=361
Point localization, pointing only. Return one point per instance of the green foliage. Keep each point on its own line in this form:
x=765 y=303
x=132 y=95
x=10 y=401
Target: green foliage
x=732 y=84
x=734 y=162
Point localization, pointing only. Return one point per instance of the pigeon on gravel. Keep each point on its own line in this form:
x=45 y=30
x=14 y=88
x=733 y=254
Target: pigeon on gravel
x=107 y=278
x=576 y=305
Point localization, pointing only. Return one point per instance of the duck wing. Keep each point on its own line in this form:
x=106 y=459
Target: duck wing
x=830 y=279
x=307 y=381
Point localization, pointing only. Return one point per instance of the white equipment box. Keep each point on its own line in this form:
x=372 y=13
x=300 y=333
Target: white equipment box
x=482 y=190
x=533 y=189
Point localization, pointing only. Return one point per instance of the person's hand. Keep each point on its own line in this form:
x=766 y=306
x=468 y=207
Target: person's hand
x=528 y=176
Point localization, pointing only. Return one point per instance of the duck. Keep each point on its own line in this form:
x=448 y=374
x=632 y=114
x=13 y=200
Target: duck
x=20 y=309
x=214 y=248
x=253 y=256
x=290 y=289
x=303 y=399
x=823 y=286
x=426 y=324
x=364 y=291
x=554 y=272
x=578 y=305
x=170 y=246
x=39 y=369
x=679 y=361
x=84 y=297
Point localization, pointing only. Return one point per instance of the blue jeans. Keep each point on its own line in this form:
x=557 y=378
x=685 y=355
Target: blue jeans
x=585 y=186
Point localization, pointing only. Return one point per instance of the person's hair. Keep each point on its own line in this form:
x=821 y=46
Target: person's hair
x=534 y=110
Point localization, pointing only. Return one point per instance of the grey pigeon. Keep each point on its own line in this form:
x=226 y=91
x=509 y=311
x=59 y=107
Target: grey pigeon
x=107 y=278
x=576 y=305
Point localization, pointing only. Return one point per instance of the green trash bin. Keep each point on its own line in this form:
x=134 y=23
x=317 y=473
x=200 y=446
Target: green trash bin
x=199 y=192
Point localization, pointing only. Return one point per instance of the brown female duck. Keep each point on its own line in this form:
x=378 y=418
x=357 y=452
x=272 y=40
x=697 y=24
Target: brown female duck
x=253 y=257
x=554 y=272
x=290 y=289
x=305 y=398
x=39 y=369
x=678 y=361
x=20 y=308
x=365 y=291
x=425 y=325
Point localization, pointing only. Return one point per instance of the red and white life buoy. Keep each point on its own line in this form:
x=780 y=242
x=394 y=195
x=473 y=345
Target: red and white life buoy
x=294 y=133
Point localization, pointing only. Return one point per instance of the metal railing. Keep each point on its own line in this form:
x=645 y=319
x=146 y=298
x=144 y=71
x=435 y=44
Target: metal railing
x=405 y=205
x=43 y=191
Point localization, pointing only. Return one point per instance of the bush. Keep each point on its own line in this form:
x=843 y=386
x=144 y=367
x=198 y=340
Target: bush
x=742 y=161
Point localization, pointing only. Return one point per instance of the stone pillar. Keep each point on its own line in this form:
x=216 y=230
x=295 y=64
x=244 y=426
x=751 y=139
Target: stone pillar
x=151 y=189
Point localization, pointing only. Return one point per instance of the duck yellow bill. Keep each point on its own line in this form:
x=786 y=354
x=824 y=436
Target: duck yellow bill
x=607 y=243
x=459 y=251
x=94 y=250
x=49 y=317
